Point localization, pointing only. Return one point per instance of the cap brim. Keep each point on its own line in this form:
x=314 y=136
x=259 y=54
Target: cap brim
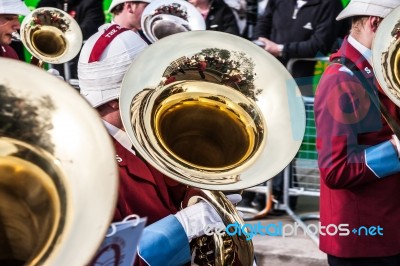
x=115 y=3
x=361 y=9
x=98 y=98
x=19 y=9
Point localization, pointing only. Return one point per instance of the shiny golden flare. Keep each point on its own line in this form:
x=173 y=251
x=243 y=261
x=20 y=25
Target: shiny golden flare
x=49 y=42
x=204 y=133
x=29 y=212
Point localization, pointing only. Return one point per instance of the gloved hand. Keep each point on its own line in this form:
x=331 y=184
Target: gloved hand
x=196 y=218
x=55 y=73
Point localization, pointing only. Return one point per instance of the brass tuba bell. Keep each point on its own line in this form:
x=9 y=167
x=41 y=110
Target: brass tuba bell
x=386 y=55
x=162 y=18
x=216 y=112
x=51 y=35
x=58 y=176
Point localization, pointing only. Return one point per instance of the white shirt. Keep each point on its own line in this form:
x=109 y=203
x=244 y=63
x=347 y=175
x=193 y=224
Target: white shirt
x=120 y=136
x=299 y=4
x=366 y=52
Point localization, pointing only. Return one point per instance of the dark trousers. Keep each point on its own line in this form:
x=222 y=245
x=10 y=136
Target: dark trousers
x=373 y=261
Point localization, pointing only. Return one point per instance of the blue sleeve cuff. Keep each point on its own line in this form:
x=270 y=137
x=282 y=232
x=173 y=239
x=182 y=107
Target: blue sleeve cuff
x=164 y=243
x=382 y=159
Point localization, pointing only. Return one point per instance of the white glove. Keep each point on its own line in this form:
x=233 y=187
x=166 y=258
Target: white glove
x=396 y=143
x=55 y=73
x=199 y=217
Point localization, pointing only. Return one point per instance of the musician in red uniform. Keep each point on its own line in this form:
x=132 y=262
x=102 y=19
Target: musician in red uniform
x=357 y=152
x=143 y=190
x=9 y=23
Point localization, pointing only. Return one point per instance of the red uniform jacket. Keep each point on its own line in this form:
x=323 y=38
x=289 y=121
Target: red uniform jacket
x=145 y=191
x=348 y=123
x=7 y=51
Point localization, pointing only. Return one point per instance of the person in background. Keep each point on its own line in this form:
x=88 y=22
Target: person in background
x=9 y=24
x=142 y=190
x=358 y=154
x=88 y=14
x=128 y=14
x=299 y=29
x=217 y=15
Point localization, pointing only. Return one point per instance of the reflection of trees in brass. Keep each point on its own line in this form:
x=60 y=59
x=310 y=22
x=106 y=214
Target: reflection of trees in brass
x=27 y=121
x=254 y=115
x=230 y=68
x=396 y=30
x=174 y=9
x=50 y=18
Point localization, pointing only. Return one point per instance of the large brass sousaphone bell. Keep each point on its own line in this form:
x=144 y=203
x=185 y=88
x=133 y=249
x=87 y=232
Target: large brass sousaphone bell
x=386 y=55
x=386 y=63
x=215 y=112
x=51 y=35
x=162 y=18
x=58 y=176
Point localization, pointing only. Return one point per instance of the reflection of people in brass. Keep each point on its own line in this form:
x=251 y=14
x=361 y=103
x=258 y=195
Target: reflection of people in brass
x=9 y=23
x=201 y=66
x=358 y=155
x=143 y=190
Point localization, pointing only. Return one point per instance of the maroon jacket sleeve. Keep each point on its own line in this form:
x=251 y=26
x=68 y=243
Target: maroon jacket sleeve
x=8 y=52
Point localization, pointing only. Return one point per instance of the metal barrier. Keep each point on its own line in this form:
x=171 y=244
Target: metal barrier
x=302 y=173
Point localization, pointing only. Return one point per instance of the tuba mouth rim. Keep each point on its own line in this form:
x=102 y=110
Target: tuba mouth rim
x=277 y=89
x=215 y=96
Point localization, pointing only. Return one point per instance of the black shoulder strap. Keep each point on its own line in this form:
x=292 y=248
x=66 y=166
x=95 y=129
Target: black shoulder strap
x=372 y=92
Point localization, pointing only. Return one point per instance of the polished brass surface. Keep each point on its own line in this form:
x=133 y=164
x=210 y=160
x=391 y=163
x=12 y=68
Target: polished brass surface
x=206 y=131
x=51 y=35
x=58 y=175
x=385 y=59
x=32 y=203
x=227 y=250
x=162 y=18
x=224 y=139
x=216 y=112
x=385 y=55
x=49 y=42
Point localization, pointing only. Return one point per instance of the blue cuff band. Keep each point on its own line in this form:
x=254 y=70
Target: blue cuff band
x=164 y=243
x=382 y=159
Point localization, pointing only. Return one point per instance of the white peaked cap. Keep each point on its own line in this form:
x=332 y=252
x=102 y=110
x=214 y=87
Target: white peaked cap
x=114 y=3
x=378 y=8
x=100 y=81
x=15 y=7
